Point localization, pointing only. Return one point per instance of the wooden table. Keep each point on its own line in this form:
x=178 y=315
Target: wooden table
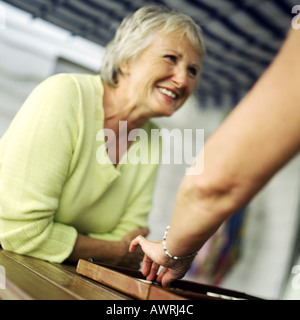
x=28 y=278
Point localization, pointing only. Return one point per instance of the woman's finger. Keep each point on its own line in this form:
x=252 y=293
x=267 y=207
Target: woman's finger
x=163 y=271
x=153 y=271
x=146 y=265
x=135 y=243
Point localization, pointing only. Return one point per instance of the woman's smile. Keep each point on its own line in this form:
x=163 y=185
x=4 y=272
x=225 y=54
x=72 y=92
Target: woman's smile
x=168 y=93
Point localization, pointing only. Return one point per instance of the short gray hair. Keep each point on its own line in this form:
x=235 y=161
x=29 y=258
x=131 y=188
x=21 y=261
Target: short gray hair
x=136 y=32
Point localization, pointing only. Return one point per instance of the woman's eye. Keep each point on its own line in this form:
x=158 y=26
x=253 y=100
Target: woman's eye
x=171 y=58
x=192 y=71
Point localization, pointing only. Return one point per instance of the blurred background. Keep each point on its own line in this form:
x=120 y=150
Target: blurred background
x=254 y=252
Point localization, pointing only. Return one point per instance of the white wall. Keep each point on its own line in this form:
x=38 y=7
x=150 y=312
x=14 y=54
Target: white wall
x=28 y=54
x=29 y=51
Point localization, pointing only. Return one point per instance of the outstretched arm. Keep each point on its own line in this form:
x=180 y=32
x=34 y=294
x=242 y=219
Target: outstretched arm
x=259 y=137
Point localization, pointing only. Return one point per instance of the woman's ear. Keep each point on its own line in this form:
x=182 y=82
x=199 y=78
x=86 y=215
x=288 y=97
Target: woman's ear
x=125 y=67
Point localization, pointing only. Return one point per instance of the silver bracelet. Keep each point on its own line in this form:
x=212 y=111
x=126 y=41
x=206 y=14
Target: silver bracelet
x=167 y=253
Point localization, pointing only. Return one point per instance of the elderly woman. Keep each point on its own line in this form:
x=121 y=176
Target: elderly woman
x=61 y=198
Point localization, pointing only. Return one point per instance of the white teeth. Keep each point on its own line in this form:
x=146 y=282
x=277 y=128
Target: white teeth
x=168 y=93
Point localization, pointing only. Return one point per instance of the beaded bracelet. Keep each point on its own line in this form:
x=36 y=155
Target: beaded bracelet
x=169 y=254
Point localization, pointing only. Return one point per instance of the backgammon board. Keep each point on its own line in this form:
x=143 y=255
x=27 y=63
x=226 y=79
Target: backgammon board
x=133 y=283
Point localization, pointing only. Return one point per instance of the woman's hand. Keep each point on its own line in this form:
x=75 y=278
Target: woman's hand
x=128 y=259
x=154 y=258
x=111 y=252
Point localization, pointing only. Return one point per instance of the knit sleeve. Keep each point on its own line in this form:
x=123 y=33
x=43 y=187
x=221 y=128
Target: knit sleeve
x=36 y=152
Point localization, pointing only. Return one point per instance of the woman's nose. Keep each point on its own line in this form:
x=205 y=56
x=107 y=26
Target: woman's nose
x=180 y=77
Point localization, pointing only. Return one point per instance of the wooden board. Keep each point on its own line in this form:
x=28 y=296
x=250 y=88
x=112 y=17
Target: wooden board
x=133 y=283
x=28 y=278
x=132 y=286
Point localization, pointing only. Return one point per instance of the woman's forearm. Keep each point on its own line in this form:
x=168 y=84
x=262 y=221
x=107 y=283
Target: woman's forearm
x=197 y=215
x=259 y=137
x=110 y=252
x=106 y=251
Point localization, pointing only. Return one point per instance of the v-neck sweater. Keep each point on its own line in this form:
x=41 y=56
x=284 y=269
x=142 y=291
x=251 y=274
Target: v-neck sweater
x=55 y=179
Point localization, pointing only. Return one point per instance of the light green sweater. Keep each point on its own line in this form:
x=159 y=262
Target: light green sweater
x=51 y=183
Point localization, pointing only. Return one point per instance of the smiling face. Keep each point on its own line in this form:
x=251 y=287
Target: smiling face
x=164 y=75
